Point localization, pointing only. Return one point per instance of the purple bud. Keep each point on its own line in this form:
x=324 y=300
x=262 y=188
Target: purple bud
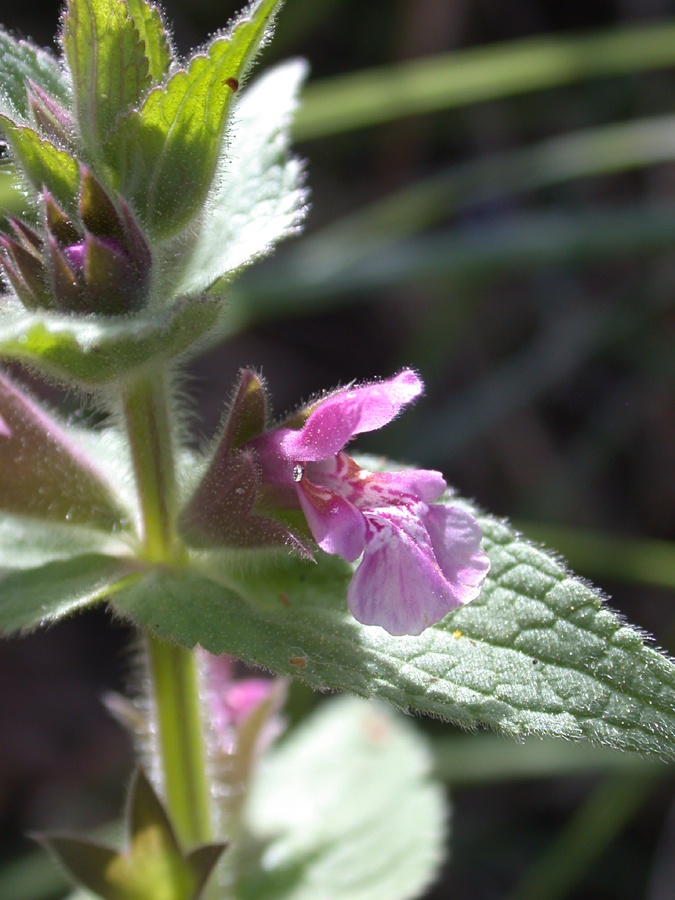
x=67 y=288
x=111 y=279
x=76 y=255
x=139 y=251
x=96 y=269
x=99 y=214
x=118 y=256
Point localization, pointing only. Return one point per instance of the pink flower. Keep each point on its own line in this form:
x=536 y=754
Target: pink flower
x=241 y=706
x=420 y=560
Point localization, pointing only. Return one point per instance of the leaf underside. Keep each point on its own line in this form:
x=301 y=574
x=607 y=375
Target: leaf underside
x=33 y=597
x=259 y=196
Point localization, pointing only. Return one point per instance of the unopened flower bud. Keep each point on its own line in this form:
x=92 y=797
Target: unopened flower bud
x=22 y=263
x=101 y=266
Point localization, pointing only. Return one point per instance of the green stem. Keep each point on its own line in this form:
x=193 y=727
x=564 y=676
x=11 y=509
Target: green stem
x=178 y=728
x=145 y=405
x=180 y=741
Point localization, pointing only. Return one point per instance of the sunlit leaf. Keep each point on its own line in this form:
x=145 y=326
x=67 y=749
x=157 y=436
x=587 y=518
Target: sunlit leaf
x=165 y=154
x=107 y=61
x=258 y=197
x=147 y=20
x=43 y=163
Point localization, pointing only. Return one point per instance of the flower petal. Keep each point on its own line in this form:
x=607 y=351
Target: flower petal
x=339 y=416
x=456 y=536
x=400 y=584
x=337 y=526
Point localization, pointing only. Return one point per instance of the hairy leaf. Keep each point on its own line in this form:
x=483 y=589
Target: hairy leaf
x=330 y=825
x=538 y=653
x=21 y=61
x=96 y=350
x=43 y=163
x=165 y=153
x=258 y=197
x=148 y=22
x=45 y=473
x=107 y=60
x=33 y=597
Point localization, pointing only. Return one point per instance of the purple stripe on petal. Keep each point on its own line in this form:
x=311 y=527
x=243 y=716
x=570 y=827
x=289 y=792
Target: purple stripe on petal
x=401 y=584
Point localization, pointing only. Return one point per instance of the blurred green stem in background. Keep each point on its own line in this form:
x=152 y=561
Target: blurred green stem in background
x=603 y=150
x=459 y=78
x=585 y=837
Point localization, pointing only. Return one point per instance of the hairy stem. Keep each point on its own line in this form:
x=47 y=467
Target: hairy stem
x=146 y=414
x=179 y=739
x=177 y=727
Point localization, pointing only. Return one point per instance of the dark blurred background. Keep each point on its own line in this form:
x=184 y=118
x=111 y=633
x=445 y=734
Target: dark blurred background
x=539 y=311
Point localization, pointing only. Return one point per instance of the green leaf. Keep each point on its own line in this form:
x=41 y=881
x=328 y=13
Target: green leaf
x=147 y=19
x=27 y=543
x=21 y=61
x=95 y=350
x=30 y=598
x=259 y=197
x=165 y=153
x=154 y=864
x=43 y=163
x=640 y=560
x=538 y=653
x=331 y=825
x=107 y=61
x=45 y=473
